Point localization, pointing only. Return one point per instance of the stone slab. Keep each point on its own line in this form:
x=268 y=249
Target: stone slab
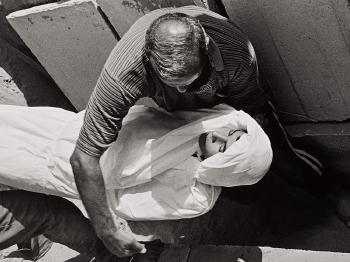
x=12 y=6
x=28 y=77
x=122 y=14
x=304 y=49
x=213 y=253
x=71 y=40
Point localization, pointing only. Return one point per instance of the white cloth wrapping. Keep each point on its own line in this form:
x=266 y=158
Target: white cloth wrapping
x=149 y=171
x=27 y=141
x=161 y=162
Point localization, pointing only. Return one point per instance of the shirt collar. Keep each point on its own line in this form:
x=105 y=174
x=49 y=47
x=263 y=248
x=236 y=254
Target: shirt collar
x=215 y=55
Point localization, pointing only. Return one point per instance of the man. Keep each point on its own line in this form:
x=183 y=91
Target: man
x=182 y=58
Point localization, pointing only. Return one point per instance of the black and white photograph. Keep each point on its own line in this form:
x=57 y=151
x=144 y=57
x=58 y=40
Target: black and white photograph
x=175 y=130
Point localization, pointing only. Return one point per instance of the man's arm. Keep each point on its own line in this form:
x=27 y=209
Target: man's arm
x=90 y=184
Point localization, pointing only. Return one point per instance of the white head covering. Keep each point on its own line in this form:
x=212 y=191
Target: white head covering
x=245 y=162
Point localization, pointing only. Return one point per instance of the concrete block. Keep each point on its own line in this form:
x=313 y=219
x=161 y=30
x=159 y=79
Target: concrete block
x=227 y=253
x=304 y=49
x=30 y=82
x=291 y=255
x=10 y=5
x=122 y=14
x=71 y=40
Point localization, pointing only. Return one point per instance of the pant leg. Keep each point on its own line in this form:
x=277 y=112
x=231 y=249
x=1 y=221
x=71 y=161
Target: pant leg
x=24 y=215
x=35 y=247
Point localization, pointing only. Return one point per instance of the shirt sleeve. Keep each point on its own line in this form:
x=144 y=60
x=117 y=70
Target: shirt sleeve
x=244 y=90
x=108 y=104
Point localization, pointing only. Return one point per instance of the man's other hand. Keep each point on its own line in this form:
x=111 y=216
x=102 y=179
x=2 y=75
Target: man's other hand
x=121 y=243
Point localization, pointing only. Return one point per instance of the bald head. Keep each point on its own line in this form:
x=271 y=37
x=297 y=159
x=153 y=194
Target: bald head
x=175 y=44
x=173 y=29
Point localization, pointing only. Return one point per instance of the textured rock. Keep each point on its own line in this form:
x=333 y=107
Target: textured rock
x=24 y=71
x=122 y=14
x=71 y=40
x=245 y=254
x=304 y=49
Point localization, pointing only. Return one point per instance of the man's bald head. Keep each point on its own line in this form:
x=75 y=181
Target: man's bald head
x=175 y=44
x=173 y=29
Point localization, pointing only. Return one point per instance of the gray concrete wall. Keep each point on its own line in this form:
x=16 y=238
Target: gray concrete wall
x=22 y=78
x=123 y=14
x=303 y=47
x=245 y=254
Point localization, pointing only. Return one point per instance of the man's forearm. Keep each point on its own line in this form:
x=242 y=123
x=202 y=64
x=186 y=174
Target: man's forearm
x=90 y=184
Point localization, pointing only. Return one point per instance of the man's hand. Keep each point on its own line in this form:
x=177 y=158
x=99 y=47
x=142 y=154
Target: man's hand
x=108 y=227
x=121 y=243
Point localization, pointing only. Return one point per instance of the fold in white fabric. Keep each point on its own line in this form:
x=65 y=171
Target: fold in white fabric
x=28 y=137
x=149 y=172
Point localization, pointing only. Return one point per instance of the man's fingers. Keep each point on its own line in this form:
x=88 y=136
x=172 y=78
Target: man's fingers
x=138 y=247
x=132 y=250
x=143 y=251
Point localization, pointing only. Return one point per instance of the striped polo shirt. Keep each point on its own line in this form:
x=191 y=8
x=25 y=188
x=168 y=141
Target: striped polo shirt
x=127 y=77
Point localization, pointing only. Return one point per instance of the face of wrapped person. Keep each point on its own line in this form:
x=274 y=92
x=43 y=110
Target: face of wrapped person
x=217 y=141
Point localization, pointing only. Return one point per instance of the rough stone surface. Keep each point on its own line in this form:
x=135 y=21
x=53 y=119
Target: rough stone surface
x=9 y=92
x=260 y=254
x=57 y=253
x=12 y=6
x=122 y=14
x=304 y=49
x=71 y=40
x=23 y=72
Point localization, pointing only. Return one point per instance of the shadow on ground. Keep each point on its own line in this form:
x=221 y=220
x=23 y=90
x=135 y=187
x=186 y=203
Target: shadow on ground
x=273 y=213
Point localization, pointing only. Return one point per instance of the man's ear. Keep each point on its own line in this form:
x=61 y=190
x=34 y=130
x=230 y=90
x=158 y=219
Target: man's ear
x=207 y=40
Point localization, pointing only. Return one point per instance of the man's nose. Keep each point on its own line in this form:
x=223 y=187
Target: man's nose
x=219 y=136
